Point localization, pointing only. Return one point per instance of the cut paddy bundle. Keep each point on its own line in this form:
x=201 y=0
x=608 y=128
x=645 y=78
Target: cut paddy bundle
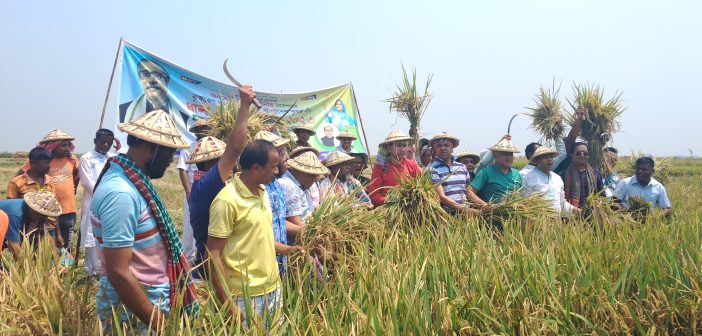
x=599 y=211
x=408 y=103
x=414 y=203
x=602 y=119
x=222 y=117
x=547 y=117
x=638 y=208
x=518 y=208
x=663 y=167
x=336 y=234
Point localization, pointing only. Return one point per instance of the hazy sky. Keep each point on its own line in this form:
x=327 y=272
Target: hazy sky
x=488 y=59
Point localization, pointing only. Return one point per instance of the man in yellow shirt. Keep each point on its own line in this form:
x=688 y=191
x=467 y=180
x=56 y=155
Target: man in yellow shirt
x=240 y=238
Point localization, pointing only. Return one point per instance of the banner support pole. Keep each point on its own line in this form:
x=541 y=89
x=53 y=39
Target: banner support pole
x=109 y=85
x=360 y=120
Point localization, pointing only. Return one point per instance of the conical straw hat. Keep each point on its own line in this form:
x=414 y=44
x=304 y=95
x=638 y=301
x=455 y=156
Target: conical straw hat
x=543 y=150
x=43 y=202
x=303 y=128
x=463 y=154
x=505 y=146
x=346 y=135
x=446 y=135
x=395 y=136
x=55 y=135
x=271 y=137
x=335 y=158
x=308 y=163
x=199 y=123
x=156 y=127
x=299 y=150
x=208 y=148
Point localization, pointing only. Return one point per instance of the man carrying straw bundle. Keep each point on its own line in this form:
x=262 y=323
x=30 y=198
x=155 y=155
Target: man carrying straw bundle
x=143 y=265
x=643 y=185
x=581 y=179
x=496 y=181
x=216 y=160
x=391 y=165
x=450 y=176
x=543 y=180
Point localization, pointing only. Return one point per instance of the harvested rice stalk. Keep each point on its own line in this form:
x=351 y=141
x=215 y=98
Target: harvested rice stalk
x=413 y=203
x=222 y=119
x=599 y=211
x=638 y=208
x=336 y=234
x=547 y=117
x=663 y=167
x=602 y=119
x=516 y=207
x=408 y=103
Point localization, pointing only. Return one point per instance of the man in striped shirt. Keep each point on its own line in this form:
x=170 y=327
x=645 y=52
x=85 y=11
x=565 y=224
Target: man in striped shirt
x=450 y=176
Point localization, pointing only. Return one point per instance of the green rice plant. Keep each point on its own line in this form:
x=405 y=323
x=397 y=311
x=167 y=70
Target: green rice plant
x=602 y=119
x=547 y=117
x=663 y=167
x=414 y=203
x=638 y=208
x=410 y=104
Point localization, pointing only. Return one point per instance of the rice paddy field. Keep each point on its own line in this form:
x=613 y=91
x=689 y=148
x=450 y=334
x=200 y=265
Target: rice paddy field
x=542 y=277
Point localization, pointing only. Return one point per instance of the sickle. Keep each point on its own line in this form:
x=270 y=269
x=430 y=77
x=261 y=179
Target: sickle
x=509 y=127
x=237 y=84
x=286 y=112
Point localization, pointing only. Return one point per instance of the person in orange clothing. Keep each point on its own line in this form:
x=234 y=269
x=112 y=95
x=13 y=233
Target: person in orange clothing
x=64 y=172
x=390 y=166
x=35 y=179
x=4 y=223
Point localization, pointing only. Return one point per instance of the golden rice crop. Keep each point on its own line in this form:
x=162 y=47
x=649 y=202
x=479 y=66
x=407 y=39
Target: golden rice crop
x=547 y=117
x=410 y=104
x=414 y=203
x=519 y=208
x=223 y=116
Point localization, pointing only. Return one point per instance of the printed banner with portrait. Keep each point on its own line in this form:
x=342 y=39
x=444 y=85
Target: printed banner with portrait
x=149 y=83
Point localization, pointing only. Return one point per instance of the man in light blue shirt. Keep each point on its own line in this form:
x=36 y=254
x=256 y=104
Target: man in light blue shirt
x=643 y=184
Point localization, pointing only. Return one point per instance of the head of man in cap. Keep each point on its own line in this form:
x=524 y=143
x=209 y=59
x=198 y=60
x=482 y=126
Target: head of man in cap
x=358 y=165
x=201 y=128
x=346 y=139
x=443 y=145
x=503 y=152
x=303 y=134
x=306 y=168
x=28 y=216
x=279 y=143
x=59 y=143
x=543 y=158
x=470 y=160
x=301 y=150
x=339 y=165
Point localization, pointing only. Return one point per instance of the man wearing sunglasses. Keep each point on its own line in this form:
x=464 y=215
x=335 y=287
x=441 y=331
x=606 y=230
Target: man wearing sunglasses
x=154 y=81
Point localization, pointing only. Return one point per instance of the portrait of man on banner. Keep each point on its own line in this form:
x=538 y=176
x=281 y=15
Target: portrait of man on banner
x=154 y=80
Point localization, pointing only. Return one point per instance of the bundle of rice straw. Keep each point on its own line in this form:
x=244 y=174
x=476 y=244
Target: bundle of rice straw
x=519 y=208
x=638 y=208
x=221 y=120
x=414 y=203
x=547 y=117
x=599 y=211
x=601 y=120
x=335 y=236
x=408 y=103
x=663 y=167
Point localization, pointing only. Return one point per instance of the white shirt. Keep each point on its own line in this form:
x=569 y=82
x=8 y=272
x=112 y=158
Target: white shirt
x=551 y=186
x=188 y=167
x=89 y=168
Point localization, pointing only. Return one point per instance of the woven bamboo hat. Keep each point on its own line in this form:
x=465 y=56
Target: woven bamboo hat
x=299 y=150
x=543 y=150
x=308 y=163
x=463 y=154
x=303 y=128
x=55 y=135
x=43 y=202
x=271 y=137
x=200 y=123
x=156 y=127
x=505 y=145
x=446 y=135
x=395 y=136
x=346 y=135
x=208 y=148
x=335 y=158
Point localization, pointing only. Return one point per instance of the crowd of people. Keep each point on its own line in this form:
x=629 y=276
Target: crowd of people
x=245 y=204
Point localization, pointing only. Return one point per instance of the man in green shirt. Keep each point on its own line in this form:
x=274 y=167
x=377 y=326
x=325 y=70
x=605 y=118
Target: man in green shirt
x=493 y=183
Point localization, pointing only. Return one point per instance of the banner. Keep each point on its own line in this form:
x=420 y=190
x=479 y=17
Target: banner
x=149 y=83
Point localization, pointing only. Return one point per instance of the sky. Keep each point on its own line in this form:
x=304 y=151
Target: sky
x=488 y=59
